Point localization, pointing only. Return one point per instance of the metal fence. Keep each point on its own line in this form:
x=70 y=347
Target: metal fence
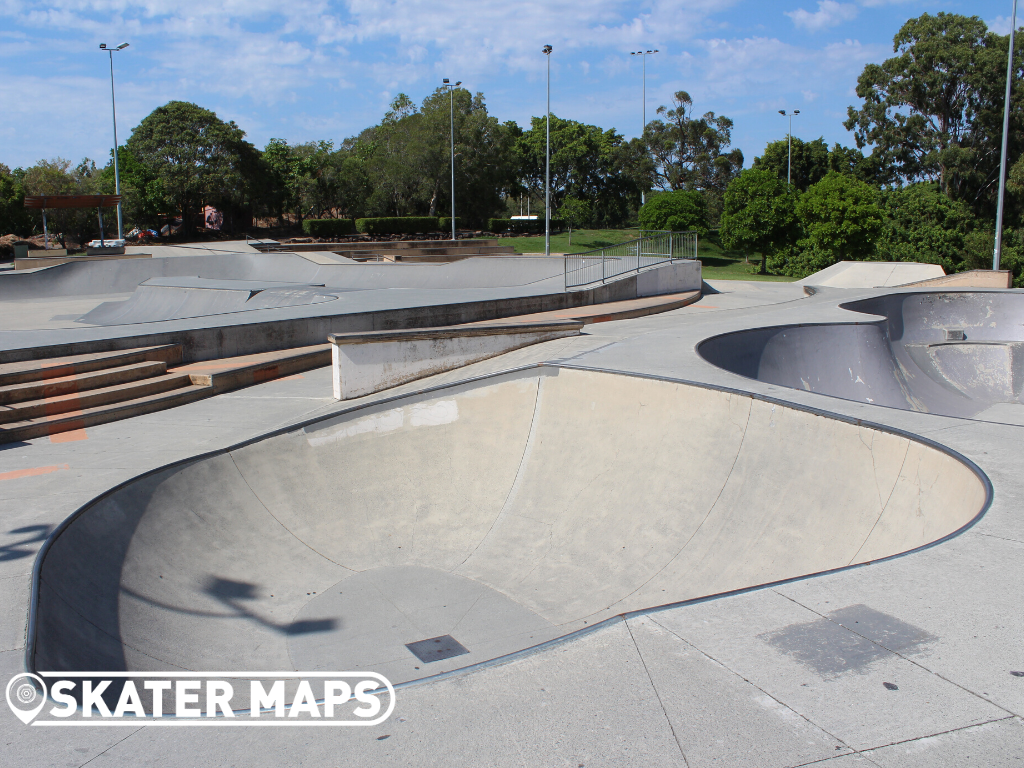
x=652 y=248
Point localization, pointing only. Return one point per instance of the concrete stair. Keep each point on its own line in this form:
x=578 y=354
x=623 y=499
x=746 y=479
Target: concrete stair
x=40 y=398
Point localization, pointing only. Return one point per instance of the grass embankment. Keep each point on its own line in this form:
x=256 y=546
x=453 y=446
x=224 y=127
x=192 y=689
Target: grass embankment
x=716 y=263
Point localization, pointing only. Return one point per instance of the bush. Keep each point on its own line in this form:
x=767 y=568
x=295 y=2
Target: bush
x=679 y=211
x=922 y=224
x=329 y=227
x=523 y=226
x=398 y=225
x=444 y=223
x=842 y=217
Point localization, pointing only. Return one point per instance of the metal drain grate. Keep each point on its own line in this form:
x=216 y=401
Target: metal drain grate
x=436 y=648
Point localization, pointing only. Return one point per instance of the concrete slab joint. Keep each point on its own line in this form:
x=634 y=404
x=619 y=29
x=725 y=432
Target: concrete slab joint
x=365 y=363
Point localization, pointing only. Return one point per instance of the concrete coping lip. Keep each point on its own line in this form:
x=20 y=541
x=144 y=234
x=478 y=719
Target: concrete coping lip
x=454 y=331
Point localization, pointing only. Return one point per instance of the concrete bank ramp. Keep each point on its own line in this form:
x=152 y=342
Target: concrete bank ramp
x=872 y=274
x=160 y=299
x=500 y=514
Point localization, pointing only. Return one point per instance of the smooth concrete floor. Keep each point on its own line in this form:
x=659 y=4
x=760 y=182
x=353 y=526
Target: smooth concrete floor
x=782 y=676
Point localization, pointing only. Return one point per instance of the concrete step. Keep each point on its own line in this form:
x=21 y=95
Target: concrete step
x=237 y=372
x=66 y=385
x=61 y=411
x=92 y=398
x=44 y=426
x=55 y=368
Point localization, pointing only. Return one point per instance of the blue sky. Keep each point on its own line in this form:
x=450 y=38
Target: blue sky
x=321 y=69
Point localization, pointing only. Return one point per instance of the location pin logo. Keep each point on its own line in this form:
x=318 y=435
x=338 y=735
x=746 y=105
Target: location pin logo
x=26 y=695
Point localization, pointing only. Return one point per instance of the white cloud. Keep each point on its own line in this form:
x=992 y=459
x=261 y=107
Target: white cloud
x=1000 y=25
x=829 y=14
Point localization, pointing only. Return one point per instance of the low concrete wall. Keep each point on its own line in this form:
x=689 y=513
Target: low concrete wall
x=365 y=363
x=675 y=277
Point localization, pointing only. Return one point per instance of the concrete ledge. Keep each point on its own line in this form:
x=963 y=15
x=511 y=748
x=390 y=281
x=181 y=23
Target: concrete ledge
x=365 y=363
x=35 y=262
x=976 y=278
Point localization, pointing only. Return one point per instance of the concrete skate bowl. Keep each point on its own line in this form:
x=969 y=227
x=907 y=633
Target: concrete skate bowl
x=502 y=513
x=950 y=353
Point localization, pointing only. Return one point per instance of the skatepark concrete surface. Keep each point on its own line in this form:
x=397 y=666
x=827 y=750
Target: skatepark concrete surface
x=778 y=577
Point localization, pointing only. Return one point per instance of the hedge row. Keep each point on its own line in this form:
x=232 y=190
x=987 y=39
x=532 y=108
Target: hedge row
x=329 y=227
x=398 y=225
x=523 y=226
x=405 y=225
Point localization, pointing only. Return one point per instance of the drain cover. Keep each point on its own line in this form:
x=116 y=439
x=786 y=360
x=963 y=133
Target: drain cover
x=436 y=648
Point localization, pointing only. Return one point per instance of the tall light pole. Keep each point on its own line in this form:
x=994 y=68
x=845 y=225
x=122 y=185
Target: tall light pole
x=789 y=171
x=451 y=116
x=113 y=108
x=547 y=162
x=998 y=250
x=643 y=128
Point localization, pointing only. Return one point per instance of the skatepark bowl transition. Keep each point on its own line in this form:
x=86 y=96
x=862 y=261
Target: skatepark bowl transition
x=954 y=353
x=498 y=514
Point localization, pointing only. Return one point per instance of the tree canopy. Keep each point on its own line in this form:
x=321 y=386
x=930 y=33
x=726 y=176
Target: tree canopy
x=197 y=156
x=759 y=214
x=933 y=112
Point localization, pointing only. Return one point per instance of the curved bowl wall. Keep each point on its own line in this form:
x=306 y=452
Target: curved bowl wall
x=503 y=512
x=952 y=353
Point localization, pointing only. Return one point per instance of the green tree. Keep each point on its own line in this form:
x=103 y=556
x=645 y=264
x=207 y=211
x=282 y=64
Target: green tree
x=681 y=210
x=759 y=214
x=921 y=224
x=142 y=192
x=14 y=218
x=979 y=244
x=71 y=226
x=813 y=159
x=842 y=218
x=810 y=161
x=693 y=153
x=576 y=213
x=586 y=163
x=933 y=112
x=198 y=157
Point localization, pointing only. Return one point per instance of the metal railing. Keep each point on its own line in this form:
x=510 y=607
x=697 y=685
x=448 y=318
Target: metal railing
x=652 y=248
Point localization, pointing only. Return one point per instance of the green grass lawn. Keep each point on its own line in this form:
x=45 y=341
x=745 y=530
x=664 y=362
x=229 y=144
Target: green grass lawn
x=716 y=263
x=582 y=240
x=719 y=264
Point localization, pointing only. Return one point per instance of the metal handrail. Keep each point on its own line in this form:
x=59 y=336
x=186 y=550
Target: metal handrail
x=651 y=249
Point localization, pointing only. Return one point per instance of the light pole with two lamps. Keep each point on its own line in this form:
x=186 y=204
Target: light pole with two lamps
x=789 y=170
x=643 y=128
x=451 y=116
x=113 y=107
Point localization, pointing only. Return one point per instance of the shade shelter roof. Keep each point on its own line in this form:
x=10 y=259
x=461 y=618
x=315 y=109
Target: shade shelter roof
x=71 y=201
